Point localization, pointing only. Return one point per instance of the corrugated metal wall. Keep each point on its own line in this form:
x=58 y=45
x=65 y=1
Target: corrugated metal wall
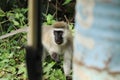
x=97 y=40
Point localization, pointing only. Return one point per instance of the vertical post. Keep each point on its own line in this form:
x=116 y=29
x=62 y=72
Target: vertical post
x=34 y=48
x=97 y=40
x=33 y=22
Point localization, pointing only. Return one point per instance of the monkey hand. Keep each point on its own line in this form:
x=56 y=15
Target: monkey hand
x=68 y=78
x=55 y=57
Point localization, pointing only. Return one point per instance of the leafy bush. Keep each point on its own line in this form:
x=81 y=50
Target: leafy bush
x=12 y=59
x=12 y=20
x=51 y=72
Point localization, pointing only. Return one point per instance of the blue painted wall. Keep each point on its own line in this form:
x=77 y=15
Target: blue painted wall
x=97 y=35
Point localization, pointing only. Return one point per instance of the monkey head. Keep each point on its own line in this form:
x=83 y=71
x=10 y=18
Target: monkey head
x=60 y=30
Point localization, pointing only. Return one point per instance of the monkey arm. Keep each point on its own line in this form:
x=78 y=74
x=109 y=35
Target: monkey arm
x=45 y=54
x=67 y=64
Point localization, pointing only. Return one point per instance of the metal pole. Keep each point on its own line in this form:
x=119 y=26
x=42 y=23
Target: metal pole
x=97 y=40
x=34 y=48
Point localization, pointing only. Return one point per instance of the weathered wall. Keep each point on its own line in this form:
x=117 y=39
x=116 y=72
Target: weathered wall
x=97 y=40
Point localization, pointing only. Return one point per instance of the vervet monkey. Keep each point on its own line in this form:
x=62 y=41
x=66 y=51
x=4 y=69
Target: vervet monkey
x=57 y=40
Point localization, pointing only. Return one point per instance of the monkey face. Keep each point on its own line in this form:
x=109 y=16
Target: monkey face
x=58 y=36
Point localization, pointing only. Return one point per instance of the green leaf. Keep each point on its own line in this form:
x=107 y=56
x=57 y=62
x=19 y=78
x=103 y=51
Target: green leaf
x=21 y=69
x=2 y=13
x=49 y=19
x=49 y=66
x=71 y=26
x=66 y=2
x=17 y=15
x=16 y=23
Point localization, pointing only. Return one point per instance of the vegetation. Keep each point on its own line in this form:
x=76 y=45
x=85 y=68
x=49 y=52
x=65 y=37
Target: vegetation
x=13 y=15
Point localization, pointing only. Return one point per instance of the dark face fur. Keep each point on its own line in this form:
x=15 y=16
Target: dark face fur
x=58 y=37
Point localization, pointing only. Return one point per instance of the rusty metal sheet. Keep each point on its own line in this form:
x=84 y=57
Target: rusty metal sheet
x=97 y=36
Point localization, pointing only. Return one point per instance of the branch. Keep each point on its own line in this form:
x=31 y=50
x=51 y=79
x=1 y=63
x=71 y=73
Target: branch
x=25 y=29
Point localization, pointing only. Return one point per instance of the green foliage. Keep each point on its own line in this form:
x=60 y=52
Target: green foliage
x=50 y=73
x=12 y=19
x=12 y=61
x=2 y=13
x=67 y=2
x=49 y=19
x=71 y=27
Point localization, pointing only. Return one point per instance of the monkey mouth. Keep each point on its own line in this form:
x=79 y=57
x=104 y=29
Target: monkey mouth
x=59 y=42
